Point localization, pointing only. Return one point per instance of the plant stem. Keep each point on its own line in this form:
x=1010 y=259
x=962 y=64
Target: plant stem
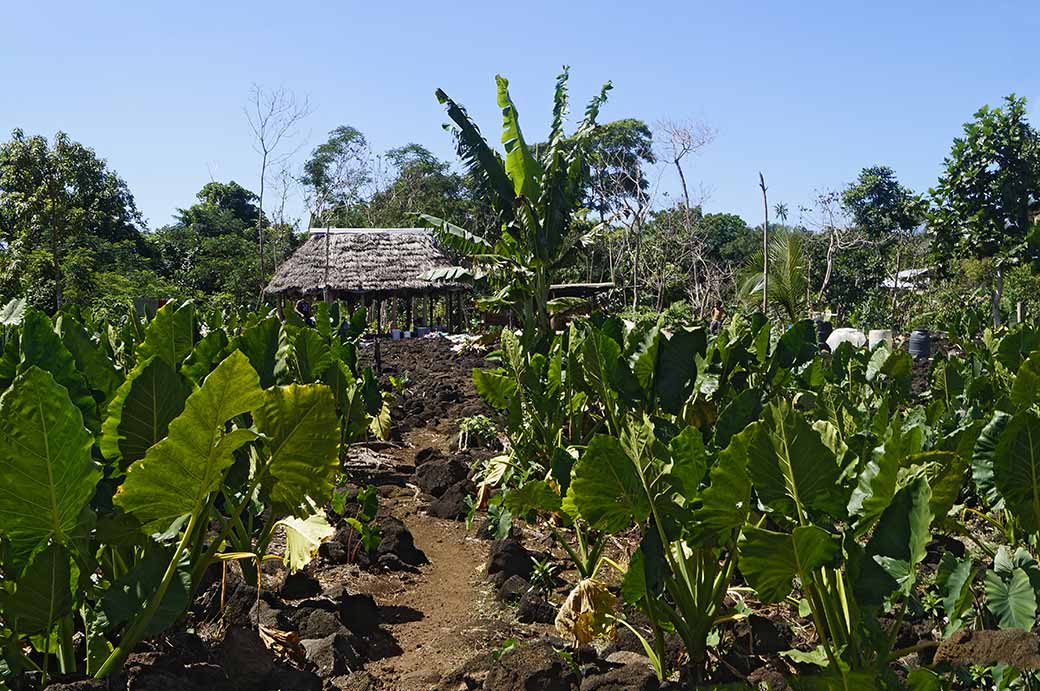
x=136 y=631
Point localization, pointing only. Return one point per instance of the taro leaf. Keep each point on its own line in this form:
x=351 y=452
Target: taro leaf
x=494 y=387
x=726 y=500
x=11 y=313
x=646 y=570
x=1019 y=342
x=1012 y=601
x=796 y=346
x=606 y=488
x=587 y=612
x=945 y=472
x=1026 y=389
x=738 y=414
x=210 y=350
x=535 y=496
x=178 y=474
x=311 y=353
x=955 y=577
x=897 y=545
x=127 y=597
x=983 y=458
x=876 y=484
x=562 y=465
x=47 y=477
x=677 y=367
x=644 y=359
x=261 y=344
x=142 y=410
x=689 y=460
x=170 y=335
x=770 y=561
x=42 y=593
x=302 y=437
x=793 y=471
x=42 y=347
x=923 y=679
x=1016 y=468
x=302 y=538
x=99 y=371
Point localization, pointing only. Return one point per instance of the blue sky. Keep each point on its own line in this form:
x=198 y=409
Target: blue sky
x=807 y=92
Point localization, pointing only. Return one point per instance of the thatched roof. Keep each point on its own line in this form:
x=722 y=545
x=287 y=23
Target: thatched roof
x=363 y=260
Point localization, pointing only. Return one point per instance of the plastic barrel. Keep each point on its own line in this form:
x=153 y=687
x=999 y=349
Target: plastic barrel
x=823 y=330
x=920 y=344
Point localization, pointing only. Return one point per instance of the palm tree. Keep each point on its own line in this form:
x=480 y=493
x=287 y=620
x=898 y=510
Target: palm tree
x=787 y=282
x=534 y=198
x=780 y=209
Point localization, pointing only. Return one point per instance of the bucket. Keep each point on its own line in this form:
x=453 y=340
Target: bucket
x=876 y=336
x=920 y=344
x=395 y=334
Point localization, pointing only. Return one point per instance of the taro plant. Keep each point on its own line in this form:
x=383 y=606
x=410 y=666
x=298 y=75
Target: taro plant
x=122 y=478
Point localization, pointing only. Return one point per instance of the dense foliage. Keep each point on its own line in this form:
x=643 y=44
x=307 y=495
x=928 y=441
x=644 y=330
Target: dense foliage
x=135 y=454
x=816 y=479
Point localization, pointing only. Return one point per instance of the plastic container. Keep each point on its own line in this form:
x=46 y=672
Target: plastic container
x=920 y=344
x=876 y=336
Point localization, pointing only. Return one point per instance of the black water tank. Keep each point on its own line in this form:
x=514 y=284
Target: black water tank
x=920 y=344
x=823 y=330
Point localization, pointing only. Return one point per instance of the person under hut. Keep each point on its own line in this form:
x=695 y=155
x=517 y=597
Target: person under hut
x=303 y=309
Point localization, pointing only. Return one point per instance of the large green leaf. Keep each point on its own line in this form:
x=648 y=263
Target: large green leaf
x=42 y=347
x=677 y=367
x=302 y=437
x=689 y=460
x=726 y=500
x=738 y=414
x=98 y=369
x=178 y=474
x=495 y=388
x=170 y=335
x=606 y=488
x=533 y=496
x=770 y=561
x=521 y=165
x=42 y=594
x=47 y=477
x=984 y=457
x=897 y=545
x=127 y=597
x=793 y=471
x=1012 y=601
x=11 y=313
x=260 y=343
x=142 y=410
x=207 y=353
x=1016 y=468
x=1026 y=389
x=311 y=353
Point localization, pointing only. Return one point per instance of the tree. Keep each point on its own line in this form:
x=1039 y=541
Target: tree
x=886 y=211
x=273 y=117
x=985 y=201
x=336 y=176
x=209 y=249
x=535 y=200
x=64 y=215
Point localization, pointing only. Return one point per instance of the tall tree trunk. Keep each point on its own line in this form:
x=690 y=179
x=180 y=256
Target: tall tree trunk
x=260 y=221
x=895 y=278
x=635 y=271
x=56 y=253
x=998 y=292
x=831 y=248
x=765 y=246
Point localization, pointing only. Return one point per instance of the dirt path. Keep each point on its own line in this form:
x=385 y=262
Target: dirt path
x=444 y=614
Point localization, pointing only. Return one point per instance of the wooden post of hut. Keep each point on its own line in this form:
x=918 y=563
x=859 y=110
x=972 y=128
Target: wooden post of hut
x=429 y=310
x=408 y=313
x=379 y=336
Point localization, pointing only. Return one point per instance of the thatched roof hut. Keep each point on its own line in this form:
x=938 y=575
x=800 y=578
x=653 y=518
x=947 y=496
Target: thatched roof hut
x=372 y=262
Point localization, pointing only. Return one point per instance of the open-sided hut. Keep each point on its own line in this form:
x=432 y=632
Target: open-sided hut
x=371 y=265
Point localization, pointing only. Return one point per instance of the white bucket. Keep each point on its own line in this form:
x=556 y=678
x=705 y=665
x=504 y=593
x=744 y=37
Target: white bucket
x=877 y=336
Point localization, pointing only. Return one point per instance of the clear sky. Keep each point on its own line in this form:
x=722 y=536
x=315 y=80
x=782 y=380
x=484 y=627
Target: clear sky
x=806 y=91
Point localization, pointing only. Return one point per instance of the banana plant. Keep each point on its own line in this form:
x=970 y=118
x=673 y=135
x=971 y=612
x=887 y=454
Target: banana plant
x=535 y=198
